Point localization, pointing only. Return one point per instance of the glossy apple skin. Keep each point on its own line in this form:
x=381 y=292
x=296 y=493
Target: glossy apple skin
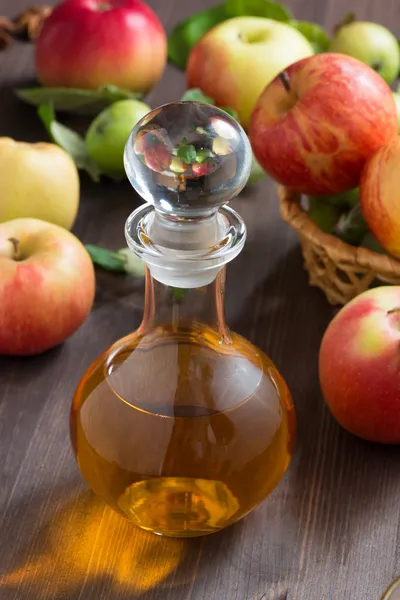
x=47 y=294
x=38 y=180
x=379 y=196
x=359 y=365
x=234 y=71
x=316 y=138
x=83 y=46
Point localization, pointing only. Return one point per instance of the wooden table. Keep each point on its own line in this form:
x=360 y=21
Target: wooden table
x=329 y=531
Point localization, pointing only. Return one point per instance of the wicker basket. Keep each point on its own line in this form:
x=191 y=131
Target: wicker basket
x=340 y=270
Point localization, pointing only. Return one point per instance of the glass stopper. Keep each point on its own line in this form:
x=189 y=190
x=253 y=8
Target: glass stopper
x=187 y=159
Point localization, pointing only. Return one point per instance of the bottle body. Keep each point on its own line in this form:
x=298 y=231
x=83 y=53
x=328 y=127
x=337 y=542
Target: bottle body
x=182 y=426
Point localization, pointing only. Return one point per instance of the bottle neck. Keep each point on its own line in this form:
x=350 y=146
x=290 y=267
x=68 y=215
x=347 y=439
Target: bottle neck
x=182 y=308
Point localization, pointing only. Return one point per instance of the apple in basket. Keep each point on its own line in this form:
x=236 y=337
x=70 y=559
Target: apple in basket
x=315 y=125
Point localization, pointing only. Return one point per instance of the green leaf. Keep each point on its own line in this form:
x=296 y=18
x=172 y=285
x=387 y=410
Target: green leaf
x=69 y=140
x=257 y=8
x=132 y=263
x=203 y=154
x=87 y=102
x=185 y=35
x=231 y=111
x=107 y=259
x=324 y=215
x=187 y=154
x=188 y=32
x=120 y=261
x=348 y=18
x=178 y=294
x=352 y=226
x=196 y=95
x=316 y=35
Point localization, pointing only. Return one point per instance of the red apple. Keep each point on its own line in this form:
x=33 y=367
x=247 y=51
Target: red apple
x=359 y=365
x=88 y=43
x=379 y=195
x=316 y=124
x=47 y=286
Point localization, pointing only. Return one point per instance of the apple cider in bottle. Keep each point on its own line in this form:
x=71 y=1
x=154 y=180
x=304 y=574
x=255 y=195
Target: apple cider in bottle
x=184 y=426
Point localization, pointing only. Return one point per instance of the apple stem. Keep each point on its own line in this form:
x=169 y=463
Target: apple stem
x=16 y=248
x=284 y=77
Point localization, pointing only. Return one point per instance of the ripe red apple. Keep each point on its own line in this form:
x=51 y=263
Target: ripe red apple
x=359 y=365
x=379 y=195
x=47 y=286
x=316 y=124
x=88 y=43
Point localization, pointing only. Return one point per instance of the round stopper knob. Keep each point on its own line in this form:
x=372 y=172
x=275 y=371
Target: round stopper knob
x=187 y=159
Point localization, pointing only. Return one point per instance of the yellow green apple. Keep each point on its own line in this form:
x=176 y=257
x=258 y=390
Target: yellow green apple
x=236 y=59
x=371 y=43
x=108 y=132
x=47 y=286
x=37 y=180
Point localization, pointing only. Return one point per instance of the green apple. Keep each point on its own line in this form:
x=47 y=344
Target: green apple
x=396 y=97
x=108 y=132
x=38 y=181
x=371 y=43
x=234 y=61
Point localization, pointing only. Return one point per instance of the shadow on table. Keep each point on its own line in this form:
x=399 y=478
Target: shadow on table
x=84 y=547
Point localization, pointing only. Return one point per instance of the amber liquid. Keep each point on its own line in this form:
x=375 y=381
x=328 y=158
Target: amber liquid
x=181 y=433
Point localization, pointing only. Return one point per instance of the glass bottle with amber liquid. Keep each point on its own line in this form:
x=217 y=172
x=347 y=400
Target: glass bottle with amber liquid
x=184 y=426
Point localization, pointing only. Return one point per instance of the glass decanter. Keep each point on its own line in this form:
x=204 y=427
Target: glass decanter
x=184 y=426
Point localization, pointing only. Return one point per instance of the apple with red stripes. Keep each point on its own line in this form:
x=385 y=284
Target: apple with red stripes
x=318 y=122
x=359 y=365
x=47 y=286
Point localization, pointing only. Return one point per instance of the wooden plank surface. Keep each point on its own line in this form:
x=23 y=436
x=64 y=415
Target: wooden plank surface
x=330 y=531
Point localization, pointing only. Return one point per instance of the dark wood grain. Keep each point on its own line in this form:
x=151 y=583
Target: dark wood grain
x=330 y=531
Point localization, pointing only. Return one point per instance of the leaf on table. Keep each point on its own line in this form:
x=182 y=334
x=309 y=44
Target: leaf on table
x=185 y=35
x=107 y=259
x=196 y=95
x=69 y=140
x=188 y=32
x=80 y=101
x=132 y=264
x=120 y=261
x=316 y=35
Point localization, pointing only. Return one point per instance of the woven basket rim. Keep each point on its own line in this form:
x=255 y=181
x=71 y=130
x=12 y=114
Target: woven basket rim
x=337 y=250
